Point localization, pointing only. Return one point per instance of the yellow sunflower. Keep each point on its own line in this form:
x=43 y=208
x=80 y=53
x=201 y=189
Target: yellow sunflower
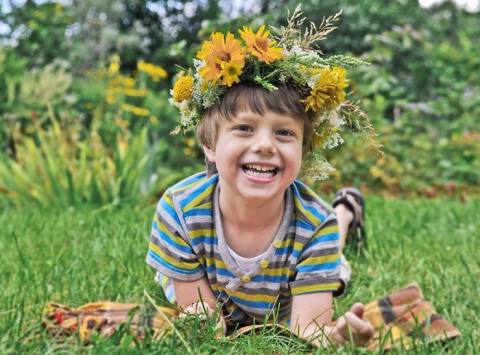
x=230 y=73
x=259 y=45
x=328 y=93
x=218 y=51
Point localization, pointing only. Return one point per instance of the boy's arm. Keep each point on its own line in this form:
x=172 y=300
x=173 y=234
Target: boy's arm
x=310 y=313
x=191 y=292
x=312 y=318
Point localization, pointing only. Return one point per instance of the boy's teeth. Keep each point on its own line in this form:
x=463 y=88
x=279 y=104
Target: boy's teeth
x=260 y=167
x=260 y=171
x=260 y=174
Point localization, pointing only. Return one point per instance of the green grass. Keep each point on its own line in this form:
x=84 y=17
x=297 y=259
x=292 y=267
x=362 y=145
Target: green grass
x=83 y=255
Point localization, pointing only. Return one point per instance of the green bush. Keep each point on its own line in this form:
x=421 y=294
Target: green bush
x=413 y=164
x=53 y=168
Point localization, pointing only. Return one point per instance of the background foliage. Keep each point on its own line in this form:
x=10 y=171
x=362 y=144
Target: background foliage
x=84 y=85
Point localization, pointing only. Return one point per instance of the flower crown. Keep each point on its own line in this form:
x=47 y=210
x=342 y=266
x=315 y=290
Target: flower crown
x=269 y=61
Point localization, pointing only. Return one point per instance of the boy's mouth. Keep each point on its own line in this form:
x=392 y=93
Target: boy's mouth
x=260 y=171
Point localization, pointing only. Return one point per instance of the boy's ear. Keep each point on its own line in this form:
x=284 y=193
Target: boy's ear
x=209 y=153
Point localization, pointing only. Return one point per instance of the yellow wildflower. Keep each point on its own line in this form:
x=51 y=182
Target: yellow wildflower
x=217 y=52
x=342 y=83
x=183 y=89
x=140 y=111
x=230 y=73
x=259 y=45
x=153 y=70
x=328 y=93
x=135 y=92
x=126 y=107
x=114 y=65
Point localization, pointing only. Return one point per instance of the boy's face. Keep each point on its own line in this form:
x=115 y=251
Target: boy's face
x=257 y=156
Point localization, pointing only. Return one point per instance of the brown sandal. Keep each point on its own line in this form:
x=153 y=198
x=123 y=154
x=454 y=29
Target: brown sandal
x=353 y=200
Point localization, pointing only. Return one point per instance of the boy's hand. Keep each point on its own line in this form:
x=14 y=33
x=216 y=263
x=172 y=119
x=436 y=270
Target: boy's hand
x=352 y=326
x=203 y=309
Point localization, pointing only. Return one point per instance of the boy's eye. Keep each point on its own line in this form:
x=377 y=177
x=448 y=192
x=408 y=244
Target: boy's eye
x=284 y=132
x=244 y=128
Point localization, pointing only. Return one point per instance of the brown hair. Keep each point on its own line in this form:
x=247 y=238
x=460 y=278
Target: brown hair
x=249 y=95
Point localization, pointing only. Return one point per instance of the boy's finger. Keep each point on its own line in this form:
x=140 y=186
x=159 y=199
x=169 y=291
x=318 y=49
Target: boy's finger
x=353 y=321
x=360 y=329
x=340 y=332
x=358 y=309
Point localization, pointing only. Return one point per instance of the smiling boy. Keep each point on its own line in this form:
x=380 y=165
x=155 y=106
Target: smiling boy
x=250 y=239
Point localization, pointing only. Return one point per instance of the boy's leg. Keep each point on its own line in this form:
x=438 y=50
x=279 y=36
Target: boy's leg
x=344 y=217
x=350 y=209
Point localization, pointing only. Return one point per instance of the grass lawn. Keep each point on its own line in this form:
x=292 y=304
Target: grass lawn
x=83 y=255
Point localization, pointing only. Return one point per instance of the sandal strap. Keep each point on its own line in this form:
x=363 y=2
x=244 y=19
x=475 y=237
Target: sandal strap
x=353 y=200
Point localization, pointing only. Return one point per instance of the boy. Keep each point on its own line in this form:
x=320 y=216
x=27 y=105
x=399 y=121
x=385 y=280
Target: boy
x=247 y=237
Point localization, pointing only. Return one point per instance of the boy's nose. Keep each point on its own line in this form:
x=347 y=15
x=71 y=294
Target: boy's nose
x=263 y=143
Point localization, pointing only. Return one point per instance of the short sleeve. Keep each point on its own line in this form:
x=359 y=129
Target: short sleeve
x=170 y=252
x=318 y=265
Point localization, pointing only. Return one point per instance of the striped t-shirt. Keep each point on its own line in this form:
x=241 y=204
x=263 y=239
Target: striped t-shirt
x=187 y=243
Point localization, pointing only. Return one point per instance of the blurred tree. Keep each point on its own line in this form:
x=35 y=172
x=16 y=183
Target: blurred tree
x=454 y=58
x=96 y=35
x=85 y=33
x=81 y=33
x=169 y=29
x=359 y=19
x=37 y=30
